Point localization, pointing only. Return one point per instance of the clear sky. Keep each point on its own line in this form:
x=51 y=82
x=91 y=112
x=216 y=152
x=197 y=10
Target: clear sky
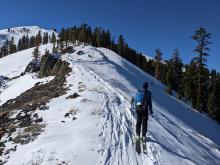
x=145 y=24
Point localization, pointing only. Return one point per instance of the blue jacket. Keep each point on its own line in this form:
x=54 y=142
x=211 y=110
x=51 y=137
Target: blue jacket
x=147 y=102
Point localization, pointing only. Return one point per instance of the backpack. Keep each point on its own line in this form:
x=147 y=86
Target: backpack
x=139 y=97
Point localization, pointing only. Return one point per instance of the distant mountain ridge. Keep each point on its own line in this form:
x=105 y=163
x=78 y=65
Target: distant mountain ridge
x=18 y=32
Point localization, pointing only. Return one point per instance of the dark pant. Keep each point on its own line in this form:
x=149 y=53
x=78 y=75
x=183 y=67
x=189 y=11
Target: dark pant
x=142 y=118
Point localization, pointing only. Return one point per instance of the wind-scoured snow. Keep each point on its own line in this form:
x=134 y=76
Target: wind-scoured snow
x=100 y=126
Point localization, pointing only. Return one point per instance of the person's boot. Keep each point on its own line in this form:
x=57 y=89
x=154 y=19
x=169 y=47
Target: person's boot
x=138 y=138
x=144 y=138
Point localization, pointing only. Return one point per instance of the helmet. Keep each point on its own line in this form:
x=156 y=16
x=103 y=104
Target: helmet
x=145 y=85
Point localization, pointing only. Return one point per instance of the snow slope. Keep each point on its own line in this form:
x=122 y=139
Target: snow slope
x=14 y=64
x=100 y=127
x=18 y=32
x=14 y=88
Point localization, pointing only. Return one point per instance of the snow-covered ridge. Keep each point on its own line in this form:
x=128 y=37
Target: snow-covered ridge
x=103 y=128
x=18 y=32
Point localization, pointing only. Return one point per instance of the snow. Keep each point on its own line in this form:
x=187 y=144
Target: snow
x=18 y=32
x=14 y=64
x=103 y=130
x=148 y=57
x=17 y=86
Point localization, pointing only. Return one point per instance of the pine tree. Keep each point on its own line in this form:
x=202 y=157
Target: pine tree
x=158 y=59
x=4 y=50
x=12 y=48
x=27 y=42
x=47 y=53
x=96 y=39
x=53 y=39
x=7 y=47
x=202 y=37
x=213 y=101
x=19 y=45
x=55 y=50
x=32 y=42
x=174 y=73
x=121 y=45
x=36 y=53
x=189 y=83
x=45 y=38
x=38 y=39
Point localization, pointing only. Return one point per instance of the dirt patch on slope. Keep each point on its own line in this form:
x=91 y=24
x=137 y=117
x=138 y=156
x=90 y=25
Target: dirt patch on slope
x=19 y=112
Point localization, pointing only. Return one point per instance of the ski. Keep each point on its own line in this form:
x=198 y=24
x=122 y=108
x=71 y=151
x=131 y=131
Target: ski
x=141 y=145
x=138 y=145
x=145 y=147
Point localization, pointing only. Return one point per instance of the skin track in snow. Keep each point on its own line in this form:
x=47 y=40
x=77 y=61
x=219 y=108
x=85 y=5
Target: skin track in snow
x=101 y=124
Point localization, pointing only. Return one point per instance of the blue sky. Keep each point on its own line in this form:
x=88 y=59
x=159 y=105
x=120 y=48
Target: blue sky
x=145 y=24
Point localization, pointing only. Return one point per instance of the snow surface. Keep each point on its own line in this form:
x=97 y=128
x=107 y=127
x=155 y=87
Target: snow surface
x=14 y=64
x=17 y=86
x=18 y=32
x=103 y=130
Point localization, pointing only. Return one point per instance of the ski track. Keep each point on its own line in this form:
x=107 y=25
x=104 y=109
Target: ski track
x=117 y=114
x=118 y=125
x=170 y=141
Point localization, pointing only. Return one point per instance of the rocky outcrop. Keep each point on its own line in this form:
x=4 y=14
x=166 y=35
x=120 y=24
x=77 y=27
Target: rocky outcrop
x=35 y=98
x=33 y=66
x=2 y=80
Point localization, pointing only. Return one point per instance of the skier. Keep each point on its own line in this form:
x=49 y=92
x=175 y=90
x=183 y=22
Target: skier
x=143 y=104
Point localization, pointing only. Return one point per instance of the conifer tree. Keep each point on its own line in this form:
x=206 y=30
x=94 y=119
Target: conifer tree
x=190 y=83
x=121 y=45
x=158 y=59
x=202 y=37
x=4 y=51
x=19 y=45
x=53 y=39
x=213 y=101
x=7 y=47
x=27 y=41
x=32 y=42
x=38 y=39
x=12 y=46
x=36 y=53
x=174 y=73
x=45 y=38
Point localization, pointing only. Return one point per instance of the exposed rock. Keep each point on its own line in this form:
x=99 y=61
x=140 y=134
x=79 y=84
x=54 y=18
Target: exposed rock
x=43 y=107
x=40 y=94
x=67 y=115
x=33 y=66
x=39 y=120
x=47 y=65
x=2 y=132
x=4 y=118
x=30 y=100
x=70 y=49
x=73 y=96
x=2 y=80
x=35 y=115
x=30 y=134
x=80 y=52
